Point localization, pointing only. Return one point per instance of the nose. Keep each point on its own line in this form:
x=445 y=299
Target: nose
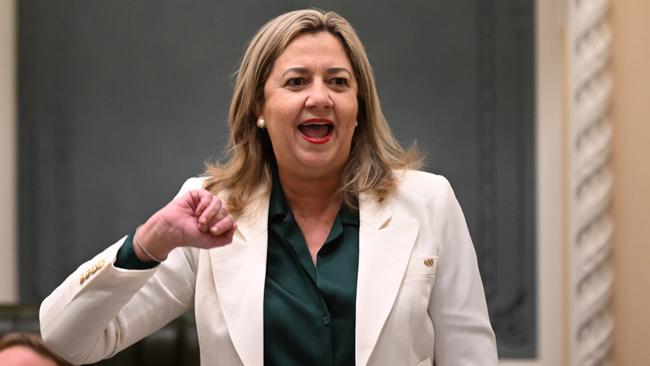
x=319 y=96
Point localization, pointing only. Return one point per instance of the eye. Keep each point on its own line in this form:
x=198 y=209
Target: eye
x=295 y=82
x=339 y=81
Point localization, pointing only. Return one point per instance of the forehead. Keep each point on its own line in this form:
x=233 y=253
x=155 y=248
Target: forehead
x=22 y=355
x=314 y=48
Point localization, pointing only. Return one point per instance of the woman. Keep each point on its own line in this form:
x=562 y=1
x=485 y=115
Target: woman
x=312 y=245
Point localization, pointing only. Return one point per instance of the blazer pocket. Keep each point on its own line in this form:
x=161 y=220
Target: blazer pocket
x=426 y=362
x=421 y=268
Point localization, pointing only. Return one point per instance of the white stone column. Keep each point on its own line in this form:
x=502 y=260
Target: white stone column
x=590 y=181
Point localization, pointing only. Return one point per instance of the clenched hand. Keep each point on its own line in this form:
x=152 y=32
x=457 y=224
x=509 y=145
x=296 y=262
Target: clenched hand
x=197 y=219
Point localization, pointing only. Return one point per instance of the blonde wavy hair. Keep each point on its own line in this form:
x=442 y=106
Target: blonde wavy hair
x=374 y=154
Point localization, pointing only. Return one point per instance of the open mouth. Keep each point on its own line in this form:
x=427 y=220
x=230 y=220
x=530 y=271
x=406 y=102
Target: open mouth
x=316 y=131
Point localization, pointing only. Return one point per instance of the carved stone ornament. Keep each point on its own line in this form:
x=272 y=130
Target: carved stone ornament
x=591 y=181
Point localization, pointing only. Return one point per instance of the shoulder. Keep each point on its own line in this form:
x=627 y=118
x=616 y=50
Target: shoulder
x=192 y=184
x=421 y=184
x=417 y=190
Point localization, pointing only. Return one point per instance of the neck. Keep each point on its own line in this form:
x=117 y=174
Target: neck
x=309 y=197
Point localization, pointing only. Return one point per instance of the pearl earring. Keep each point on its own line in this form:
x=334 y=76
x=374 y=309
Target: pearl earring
x=260 y=123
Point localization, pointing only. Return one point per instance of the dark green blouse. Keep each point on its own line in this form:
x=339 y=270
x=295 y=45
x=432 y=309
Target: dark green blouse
x=127 y=259
x=309 y=311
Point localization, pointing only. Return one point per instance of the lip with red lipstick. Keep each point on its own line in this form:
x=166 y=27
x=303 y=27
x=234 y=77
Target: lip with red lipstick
x=316 y=130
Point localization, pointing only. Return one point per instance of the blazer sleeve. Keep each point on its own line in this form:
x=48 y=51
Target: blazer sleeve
x=458 y=308
x=101 y=309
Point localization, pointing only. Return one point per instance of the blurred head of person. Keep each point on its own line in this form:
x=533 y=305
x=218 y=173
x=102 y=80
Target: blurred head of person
x=26 y=349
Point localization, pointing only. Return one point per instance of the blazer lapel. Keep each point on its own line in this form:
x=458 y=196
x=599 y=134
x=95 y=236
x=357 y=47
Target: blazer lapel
x=385 y=245
x=239 y=270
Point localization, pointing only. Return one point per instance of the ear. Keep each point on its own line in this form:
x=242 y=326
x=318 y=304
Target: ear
x=258 y=104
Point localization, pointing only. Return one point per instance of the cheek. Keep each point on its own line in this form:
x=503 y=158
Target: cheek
x=283 y=108
x=348 y=131
x=349 y=107
x=348 y=113
x=279 y=134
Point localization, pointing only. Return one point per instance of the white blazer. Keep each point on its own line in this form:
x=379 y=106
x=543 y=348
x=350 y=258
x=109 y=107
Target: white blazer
x=419 y=293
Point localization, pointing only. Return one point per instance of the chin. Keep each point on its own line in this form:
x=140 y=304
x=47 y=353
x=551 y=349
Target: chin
x=314 y=161
x=321 y=168
x=316 y=165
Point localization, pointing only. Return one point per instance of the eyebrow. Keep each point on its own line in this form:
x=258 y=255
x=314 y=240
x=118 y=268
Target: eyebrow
x=303 y=70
